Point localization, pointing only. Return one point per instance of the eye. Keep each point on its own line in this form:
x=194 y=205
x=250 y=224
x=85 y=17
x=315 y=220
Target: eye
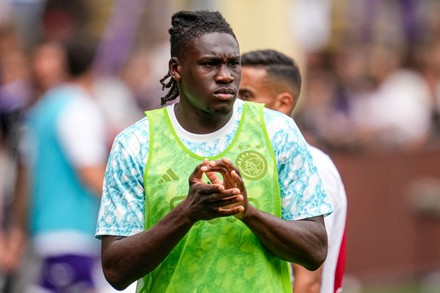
x=209 y=64
x=234 y=64
x=245 y=95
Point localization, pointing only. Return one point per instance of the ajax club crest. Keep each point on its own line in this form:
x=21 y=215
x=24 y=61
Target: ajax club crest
x=252 y=165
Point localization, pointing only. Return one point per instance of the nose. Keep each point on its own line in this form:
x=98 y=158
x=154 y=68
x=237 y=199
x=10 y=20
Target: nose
x=224 y=74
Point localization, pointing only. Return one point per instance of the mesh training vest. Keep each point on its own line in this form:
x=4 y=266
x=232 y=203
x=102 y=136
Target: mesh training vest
x=221 y=255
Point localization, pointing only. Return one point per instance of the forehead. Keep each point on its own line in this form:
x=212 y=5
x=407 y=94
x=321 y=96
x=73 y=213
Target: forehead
x=253 y=76
x=216 y=44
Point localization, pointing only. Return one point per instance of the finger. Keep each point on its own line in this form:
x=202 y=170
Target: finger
x=212 y=176
x=215 y=167
x=237 y=178
x=223 y=169
x=197 y=174
x=232 y=202
x=227 y=163
x=230 y=211
x=204 y=164
x=222 y=164
x=219 y=196
x=208 y=189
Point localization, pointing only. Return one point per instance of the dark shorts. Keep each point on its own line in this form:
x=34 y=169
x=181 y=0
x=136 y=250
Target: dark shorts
x=68 y=274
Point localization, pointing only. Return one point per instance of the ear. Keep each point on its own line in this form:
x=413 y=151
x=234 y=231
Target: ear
x=285 y=103
x=175 y=68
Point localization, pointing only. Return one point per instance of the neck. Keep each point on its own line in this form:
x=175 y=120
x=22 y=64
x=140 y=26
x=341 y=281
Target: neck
x=86 y=81
x=199 y=122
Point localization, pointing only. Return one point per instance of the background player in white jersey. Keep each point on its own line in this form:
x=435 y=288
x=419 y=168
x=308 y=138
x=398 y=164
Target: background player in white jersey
x=272 y=78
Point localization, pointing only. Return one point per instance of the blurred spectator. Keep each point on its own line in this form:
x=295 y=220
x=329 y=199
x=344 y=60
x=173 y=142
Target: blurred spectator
x=26 y=17
x=14 y=85
x=334 y=80
x=362 y=88
x=142 y=75
x=429 y=65
x=62 y=18
x=117 y=103
x=48 y=67
x=396 y=114
x=65 y=157
x=311 y=23
x=14 y=97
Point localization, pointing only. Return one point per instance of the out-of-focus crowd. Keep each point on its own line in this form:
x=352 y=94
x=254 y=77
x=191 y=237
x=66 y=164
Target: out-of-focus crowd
x=374 y=86
x=58 y=57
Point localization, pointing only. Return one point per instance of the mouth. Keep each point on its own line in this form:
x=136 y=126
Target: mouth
x=225 y=93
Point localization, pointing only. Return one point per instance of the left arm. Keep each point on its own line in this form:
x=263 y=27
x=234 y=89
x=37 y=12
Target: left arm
x=303 y=241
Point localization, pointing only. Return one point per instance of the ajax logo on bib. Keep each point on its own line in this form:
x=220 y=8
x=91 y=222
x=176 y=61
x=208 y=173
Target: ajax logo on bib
x=252 y=165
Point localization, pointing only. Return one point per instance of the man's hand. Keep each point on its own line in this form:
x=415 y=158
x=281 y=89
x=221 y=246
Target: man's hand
x=231 y=180
x=209 y=201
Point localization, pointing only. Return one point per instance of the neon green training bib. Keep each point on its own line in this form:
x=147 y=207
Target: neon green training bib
x=220 y=255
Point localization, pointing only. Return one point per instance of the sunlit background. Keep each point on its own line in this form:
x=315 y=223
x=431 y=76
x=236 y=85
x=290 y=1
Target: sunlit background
x=370 y=98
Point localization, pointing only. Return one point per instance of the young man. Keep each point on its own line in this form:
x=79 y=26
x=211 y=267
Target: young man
x=272 y=78
x=162 y=222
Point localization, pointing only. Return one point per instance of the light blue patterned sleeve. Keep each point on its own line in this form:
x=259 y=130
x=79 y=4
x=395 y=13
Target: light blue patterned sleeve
x=122 y=204
x=302 y=192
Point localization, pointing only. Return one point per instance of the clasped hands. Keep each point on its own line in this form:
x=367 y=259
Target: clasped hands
x=219 y=198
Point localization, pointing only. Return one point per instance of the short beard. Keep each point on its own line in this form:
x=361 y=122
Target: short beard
x=219 y=111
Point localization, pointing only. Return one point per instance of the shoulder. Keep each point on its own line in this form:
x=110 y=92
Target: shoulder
x=77 y=99
x=281 y=128
x=134 y=138
x=278 y=125
x=329 y=174
x=325 y=165
x=322 y=159
x=80 y=106
x=279 y=121
x=135 y=134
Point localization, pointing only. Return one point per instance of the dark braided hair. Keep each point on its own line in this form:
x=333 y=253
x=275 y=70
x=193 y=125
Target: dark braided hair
x=187 y=26
x=277 y=65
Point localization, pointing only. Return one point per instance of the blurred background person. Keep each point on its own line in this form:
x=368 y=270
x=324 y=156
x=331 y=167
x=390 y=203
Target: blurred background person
x=48 y=67
x=15 y=95
x=65 y=158
x=396 y=112
x=272 y=78
x=428 y=62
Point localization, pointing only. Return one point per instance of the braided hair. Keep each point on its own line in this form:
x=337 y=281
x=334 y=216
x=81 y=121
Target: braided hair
x=187 y=26
x=276 y=64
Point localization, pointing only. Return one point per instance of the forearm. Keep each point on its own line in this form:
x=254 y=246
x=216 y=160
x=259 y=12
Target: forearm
x=303 y=242
x=306 y=281
x=126 y=260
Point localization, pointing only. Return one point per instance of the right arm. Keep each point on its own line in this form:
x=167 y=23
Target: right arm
x=127 y=259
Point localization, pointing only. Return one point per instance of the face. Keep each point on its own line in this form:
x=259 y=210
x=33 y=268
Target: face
x=209 y=73
x=256 y=87
x=49 y=65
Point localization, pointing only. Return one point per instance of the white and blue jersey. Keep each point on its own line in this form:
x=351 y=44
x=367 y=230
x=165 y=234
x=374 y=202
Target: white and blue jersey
x=122 y=210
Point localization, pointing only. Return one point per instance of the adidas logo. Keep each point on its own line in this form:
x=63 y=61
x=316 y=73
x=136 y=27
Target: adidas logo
x=169 y=176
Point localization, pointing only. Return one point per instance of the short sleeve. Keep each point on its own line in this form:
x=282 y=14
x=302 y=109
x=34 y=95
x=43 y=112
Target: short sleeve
x=302 y=192
x=123 y=204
